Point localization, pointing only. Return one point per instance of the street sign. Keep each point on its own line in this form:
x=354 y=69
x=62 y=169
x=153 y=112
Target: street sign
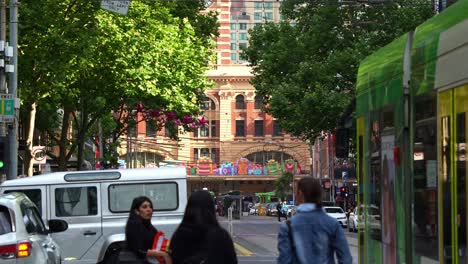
x=7 y=108
x=39 y=155
x=116 y=6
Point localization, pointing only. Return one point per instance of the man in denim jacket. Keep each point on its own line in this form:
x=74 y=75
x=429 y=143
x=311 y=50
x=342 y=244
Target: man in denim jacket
x=316 y=236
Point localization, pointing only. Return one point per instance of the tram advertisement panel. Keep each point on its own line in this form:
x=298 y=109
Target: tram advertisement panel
x=388 y=200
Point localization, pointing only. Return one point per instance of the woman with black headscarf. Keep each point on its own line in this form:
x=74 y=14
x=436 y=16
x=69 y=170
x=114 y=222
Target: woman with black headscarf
x=200 y=238
x=140 y=232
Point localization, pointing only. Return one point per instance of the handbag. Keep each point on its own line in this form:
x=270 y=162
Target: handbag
x=291 y=241
x=160 y=243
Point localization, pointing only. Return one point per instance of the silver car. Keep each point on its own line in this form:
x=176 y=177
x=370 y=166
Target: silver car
x=23 y=236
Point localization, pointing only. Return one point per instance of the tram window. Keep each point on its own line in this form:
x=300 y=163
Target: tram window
x=461 y=184
x=375 y=173
x=425 y=209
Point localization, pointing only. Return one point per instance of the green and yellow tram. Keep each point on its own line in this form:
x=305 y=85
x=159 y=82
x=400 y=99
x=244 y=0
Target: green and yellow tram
x=412 y=122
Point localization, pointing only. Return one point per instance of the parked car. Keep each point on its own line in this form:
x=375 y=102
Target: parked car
x=337 y=213
x=271 y=209
x=356 y=218
x=254 y=209
x=24 y=238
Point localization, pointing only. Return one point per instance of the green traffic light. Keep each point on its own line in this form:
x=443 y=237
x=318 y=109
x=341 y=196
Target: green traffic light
x=1 y=164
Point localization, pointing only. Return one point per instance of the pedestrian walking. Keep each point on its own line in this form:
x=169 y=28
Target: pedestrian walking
x=279 y=212
x=140 y=233
x=200 y=238
x=311 y=236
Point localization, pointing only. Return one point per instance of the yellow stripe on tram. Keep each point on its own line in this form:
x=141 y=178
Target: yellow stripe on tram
x=242 y=251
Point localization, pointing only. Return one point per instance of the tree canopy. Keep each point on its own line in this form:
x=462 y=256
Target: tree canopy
x=305 y=67
x=81 y=62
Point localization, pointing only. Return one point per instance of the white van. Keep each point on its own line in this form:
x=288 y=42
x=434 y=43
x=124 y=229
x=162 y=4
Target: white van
x=96 y=204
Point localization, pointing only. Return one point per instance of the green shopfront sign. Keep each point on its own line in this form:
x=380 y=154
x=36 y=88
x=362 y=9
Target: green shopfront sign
x=7 y=108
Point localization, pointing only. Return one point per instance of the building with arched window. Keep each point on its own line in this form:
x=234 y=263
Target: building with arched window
x=242 y=147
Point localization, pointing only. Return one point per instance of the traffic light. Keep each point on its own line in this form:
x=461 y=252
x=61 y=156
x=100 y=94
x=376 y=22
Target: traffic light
x=344 y=191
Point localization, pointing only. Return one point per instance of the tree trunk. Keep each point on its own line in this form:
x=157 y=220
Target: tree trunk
x=62 y=162
x=29 y=141
x=81 y=137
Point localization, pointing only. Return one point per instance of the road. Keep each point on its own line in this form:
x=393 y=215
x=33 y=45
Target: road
x=255 y=239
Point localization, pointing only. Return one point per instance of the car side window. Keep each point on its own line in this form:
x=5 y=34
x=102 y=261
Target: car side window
x=33 y=194
x=5 y=221
x=76 y=201
x=32 y=220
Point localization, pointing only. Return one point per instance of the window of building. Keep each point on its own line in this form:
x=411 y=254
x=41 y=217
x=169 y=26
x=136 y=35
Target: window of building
x=233 y=26
x=269 y=16
x=243 y=26
x=163 y=195
x=258 y=5
x=277 y=130
x=76 y=201
x=208 y=104
x=258 y=102
x=213 y=128
x=204 y=131
x=233 y=36
x=131 y=131
x=214 y=157
x=258 y=24
x=240 y=104
x=150 y=129
x=258 y=15
x=169 y=132
x=233 y=56
x=242 y=45
x=240 y=128
x=259 y=128
x=233 y=46
x=204 y=152
x=269 y=5
x=243 y=36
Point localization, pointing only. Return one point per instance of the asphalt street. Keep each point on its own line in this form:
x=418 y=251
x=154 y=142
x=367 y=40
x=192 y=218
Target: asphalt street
x=255 y=239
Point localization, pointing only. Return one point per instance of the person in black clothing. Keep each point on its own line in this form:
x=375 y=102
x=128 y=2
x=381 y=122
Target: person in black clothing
x=139 y=231
x=279 y=212
x=200 y=238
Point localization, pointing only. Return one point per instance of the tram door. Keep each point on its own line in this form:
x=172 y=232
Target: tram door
x=452 y=138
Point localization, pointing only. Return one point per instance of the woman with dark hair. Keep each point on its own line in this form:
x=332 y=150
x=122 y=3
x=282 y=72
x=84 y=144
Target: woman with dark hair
x=139 y=231
x=200 y=238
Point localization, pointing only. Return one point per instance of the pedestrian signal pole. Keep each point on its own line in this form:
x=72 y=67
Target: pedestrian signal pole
x=13 y=84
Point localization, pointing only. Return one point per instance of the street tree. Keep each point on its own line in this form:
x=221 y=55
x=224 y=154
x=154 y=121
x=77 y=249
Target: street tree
x=90 y=63
x=305 y=67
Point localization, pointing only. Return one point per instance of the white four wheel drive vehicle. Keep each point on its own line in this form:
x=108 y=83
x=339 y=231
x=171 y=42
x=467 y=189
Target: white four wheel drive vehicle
x=23 y=236
x=96 y=205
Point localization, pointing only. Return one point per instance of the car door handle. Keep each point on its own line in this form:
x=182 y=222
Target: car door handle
x=89 y=233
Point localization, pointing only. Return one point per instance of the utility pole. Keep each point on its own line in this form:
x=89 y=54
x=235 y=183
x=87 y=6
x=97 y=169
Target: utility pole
x=13 y=84
x=3 y=147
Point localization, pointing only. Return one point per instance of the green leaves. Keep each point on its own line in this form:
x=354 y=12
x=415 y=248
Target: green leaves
x=306 y=67
x=93 y=62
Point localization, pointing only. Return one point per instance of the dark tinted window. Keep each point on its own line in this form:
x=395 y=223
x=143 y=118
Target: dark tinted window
x=76 y=201
x=334 y=210
x=33 y=194
x=32 y=220
x=5 y=220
